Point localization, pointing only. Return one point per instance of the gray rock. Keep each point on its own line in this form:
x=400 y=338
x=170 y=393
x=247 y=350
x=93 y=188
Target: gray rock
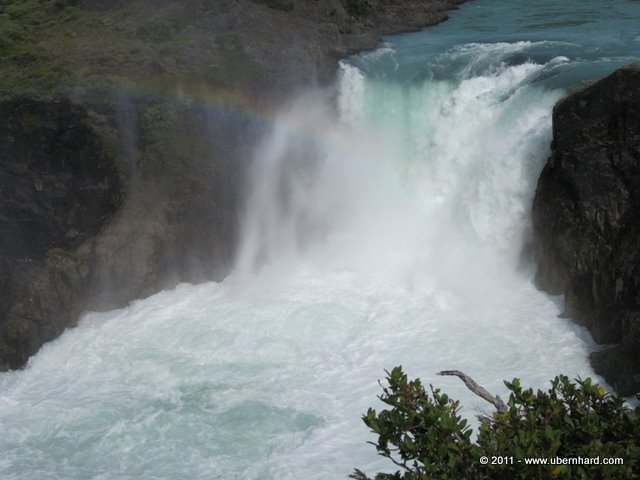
x=586 y=219
x=110 y=194
x=57 y=189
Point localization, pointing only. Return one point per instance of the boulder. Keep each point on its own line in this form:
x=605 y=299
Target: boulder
x=586 y=219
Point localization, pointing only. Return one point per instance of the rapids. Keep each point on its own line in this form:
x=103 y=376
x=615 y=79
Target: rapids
x=383 y=228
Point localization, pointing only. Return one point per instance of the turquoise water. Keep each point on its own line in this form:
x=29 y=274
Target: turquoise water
x=389 y=234
x=596 y=36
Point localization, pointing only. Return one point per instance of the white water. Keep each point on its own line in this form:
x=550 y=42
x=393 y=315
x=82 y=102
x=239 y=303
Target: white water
x=389 y=236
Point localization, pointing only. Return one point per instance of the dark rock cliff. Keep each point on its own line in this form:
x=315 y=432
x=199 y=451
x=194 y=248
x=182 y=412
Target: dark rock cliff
x=125 y=128
x=586 y=218
x=58 y=189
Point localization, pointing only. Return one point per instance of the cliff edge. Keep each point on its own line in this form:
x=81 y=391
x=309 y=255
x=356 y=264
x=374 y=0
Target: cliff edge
x=125 y=130
x=586 y=219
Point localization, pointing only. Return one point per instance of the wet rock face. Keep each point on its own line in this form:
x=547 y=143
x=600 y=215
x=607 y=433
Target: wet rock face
x=113 y=195
x=57 y=186
x=57 y=189
x=586 y=217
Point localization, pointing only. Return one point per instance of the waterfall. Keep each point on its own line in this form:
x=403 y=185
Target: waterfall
x=382 y=229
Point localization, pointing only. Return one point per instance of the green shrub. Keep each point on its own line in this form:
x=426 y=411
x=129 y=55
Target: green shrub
x=165 y=27
x=23 y=57
x=11 y=31
x=237 y=65
x=154 y=32
x=357 y=8
x=423 y=434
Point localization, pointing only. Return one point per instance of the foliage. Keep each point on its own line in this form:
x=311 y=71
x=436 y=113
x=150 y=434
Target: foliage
x=21 y=54
x=154 y=32
x=164 y=29
x=357 y=8
x=89 y=49
x=167 y=148
x=238 y=65
x=423 y=434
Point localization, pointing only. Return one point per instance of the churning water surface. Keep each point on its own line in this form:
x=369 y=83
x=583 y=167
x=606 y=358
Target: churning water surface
x=386 y=234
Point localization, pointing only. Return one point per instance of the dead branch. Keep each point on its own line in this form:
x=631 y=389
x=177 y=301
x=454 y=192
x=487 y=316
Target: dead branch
x=477 y=389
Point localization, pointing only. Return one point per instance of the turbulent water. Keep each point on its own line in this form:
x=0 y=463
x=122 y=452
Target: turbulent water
x=387 y=233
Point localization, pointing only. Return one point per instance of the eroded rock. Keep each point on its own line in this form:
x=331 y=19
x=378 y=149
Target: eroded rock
x=57 y=190
x=586 y=218
x=130 y=182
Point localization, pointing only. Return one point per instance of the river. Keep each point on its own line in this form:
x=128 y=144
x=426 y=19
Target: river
x=384 y=226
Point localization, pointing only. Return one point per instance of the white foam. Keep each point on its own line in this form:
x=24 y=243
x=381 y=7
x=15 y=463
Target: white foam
x=387 y=237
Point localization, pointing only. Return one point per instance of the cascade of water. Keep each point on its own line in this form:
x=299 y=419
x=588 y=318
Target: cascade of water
x=387 y=234
x=406 y=169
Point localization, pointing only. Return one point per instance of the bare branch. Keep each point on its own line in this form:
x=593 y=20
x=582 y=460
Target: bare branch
x=477 y=389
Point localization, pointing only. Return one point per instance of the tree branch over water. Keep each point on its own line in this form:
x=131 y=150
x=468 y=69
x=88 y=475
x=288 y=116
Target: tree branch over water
x=477 y=389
